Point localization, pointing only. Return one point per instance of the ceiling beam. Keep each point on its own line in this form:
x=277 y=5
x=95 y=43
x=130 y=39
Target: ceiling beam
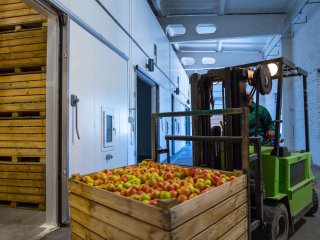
x=227 y=26
x=223 y=59
x=222 y=6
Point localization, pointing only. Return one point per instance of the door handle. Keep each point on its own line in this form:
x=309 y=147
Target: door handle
x=74 y=103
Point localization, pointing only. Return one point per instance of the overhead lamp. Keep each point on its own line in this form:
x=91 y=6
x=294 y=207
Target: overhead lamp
x=273 y=68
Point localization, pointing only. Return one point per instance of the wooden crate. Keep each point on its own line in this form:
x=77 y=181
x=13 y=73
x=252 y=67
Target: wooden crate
x=15 y=13
x=218 y=214
x=22 y=185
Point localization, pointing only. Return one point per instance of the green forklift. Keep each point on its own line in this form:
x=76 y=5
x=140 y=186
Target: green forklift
x=281 y=181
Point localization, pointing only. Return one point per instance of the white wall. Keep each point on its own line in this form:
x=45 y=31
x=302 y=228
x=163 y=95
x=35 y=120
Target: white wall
x=306 y=54
x=101 y=78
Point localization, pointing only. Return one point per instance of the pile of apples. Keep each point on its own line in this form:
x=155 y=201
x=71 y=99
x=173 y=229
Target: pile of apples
x=150 y=181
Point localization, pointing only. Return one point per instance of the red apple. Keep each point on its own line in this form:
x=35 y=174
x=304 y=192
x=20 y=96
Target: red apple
x=182 y=198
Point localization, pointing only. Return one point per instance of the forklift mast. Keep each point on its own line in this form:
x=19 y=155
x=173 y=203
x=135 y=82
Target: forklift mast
x=234 y=82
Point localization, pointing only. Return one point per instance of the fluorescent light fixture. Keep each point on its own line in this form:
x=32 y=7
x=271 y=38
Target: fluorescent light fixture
x=174 y=30
x=187 y=61
x=208 y=60
x=206 y=28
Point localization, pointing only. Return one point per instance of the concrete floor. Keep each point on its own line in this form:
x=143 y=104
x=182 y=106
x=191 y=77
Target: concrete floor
x=16 y=224
x=22 y=224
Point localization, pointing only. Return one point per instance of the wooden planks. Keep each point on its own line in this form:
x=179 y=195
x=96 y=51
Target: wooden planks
x=23 y=55
x=22 y=185
x=218 y=214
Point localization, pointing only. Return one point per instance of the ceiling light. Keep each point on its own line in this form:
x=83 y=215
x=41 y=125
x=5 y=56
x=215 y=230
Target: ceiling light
x=187 y=61
x=206 y=28
x=208 y=60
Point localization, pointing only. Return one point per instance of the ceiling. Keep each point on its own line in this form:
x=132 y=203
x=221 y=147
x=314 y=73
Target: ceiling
x=210 y=34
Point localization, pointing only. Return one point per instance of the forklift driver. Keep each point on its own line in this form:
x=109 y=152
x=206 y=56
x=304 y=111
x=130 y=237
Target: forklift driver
x=265 y=125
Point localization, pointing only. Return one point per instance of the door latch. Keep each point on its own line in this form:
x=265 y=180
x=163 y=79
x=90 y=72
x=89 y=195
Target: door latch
x=74 y=103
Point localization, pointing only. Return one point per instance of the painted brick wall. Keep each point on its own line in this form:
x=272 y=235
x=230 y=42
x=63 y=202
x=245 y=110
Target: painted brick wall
x=306 y=54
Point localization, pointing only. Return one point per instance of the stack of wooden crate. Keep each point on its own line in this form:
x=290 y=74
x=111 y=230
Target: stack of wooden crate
x=23 y=44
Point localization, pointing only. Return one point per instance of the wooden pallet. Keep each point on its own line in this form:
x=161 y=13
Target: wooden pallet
x=15 y=13
x=23 y=140
x=22 y=185
x=218 y=214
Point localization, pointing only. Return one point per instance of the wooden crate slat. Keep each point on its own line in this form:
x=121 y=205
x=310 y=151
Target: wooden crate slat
x=11 y=130
x=220 y=228
x=5 y=2
x=76 y=237
x=244 y=236
x=23 y=190
x=83 y=233
x=119 y=220
x=22 y=107
x=22 y=20
x=27 y=84
x=23 y=41
x=22 y=92
x=156 y=216
x=13 y=6
x=237 y=231
x=210 y=216
x=22 y=144
x=24 y=48
x=187 y=210
x=28 y=62
x=23 y=175
x=17 y=13
x=23 y=77
x=35 y=168
x=23 y=55
x=23 y=137
x=22 y=183
x=22 y=152
x=27 y=33
x=23 y=123
x=23 y=99
x=22 y=198
x=99 y=227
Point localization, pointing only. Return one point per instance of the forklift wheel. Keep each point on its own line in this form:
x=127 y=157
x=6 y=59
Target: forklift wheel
x=277 y=220
x=315 y=202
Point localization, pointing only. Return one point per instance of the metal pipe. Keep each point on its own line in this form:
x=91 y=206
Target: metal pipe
x=200 y=112
x=205 y=138
x=306 y=117
x=278 y=114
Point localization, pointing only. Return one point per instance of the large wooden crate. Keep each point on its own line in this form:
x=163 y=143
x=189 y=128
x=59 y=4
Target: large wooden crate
x=218 y=214
x=22 y=185
x=23 y=53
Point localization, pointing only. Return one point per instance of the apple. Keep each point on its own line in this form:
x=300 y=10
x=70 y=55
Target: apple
x=135 y=196
x=200 y=185
x=232 y=178
x=169 y=187
x=165 y=195
x=98 y=182
x=196 y=191
x=184 y=191
x=193 y=195
x=144 y=187
x=145 y=197
x=131 y=191
x=173 y=193
x=153 y=202
x=207 y=183
x=110 y=186
x=182 y=198
x=168 y=175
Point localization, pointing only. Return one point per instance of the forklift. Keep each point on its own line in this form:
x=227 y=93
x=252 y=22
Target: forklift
x=281 y=182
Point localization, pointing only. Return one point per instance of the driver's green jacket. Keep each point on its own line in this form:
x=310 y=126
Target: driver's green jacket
x=265 y=122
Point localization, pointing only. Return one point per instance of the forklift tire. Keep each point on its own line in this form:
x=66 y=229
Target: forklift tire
x=315 y=202
x=277 y=222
